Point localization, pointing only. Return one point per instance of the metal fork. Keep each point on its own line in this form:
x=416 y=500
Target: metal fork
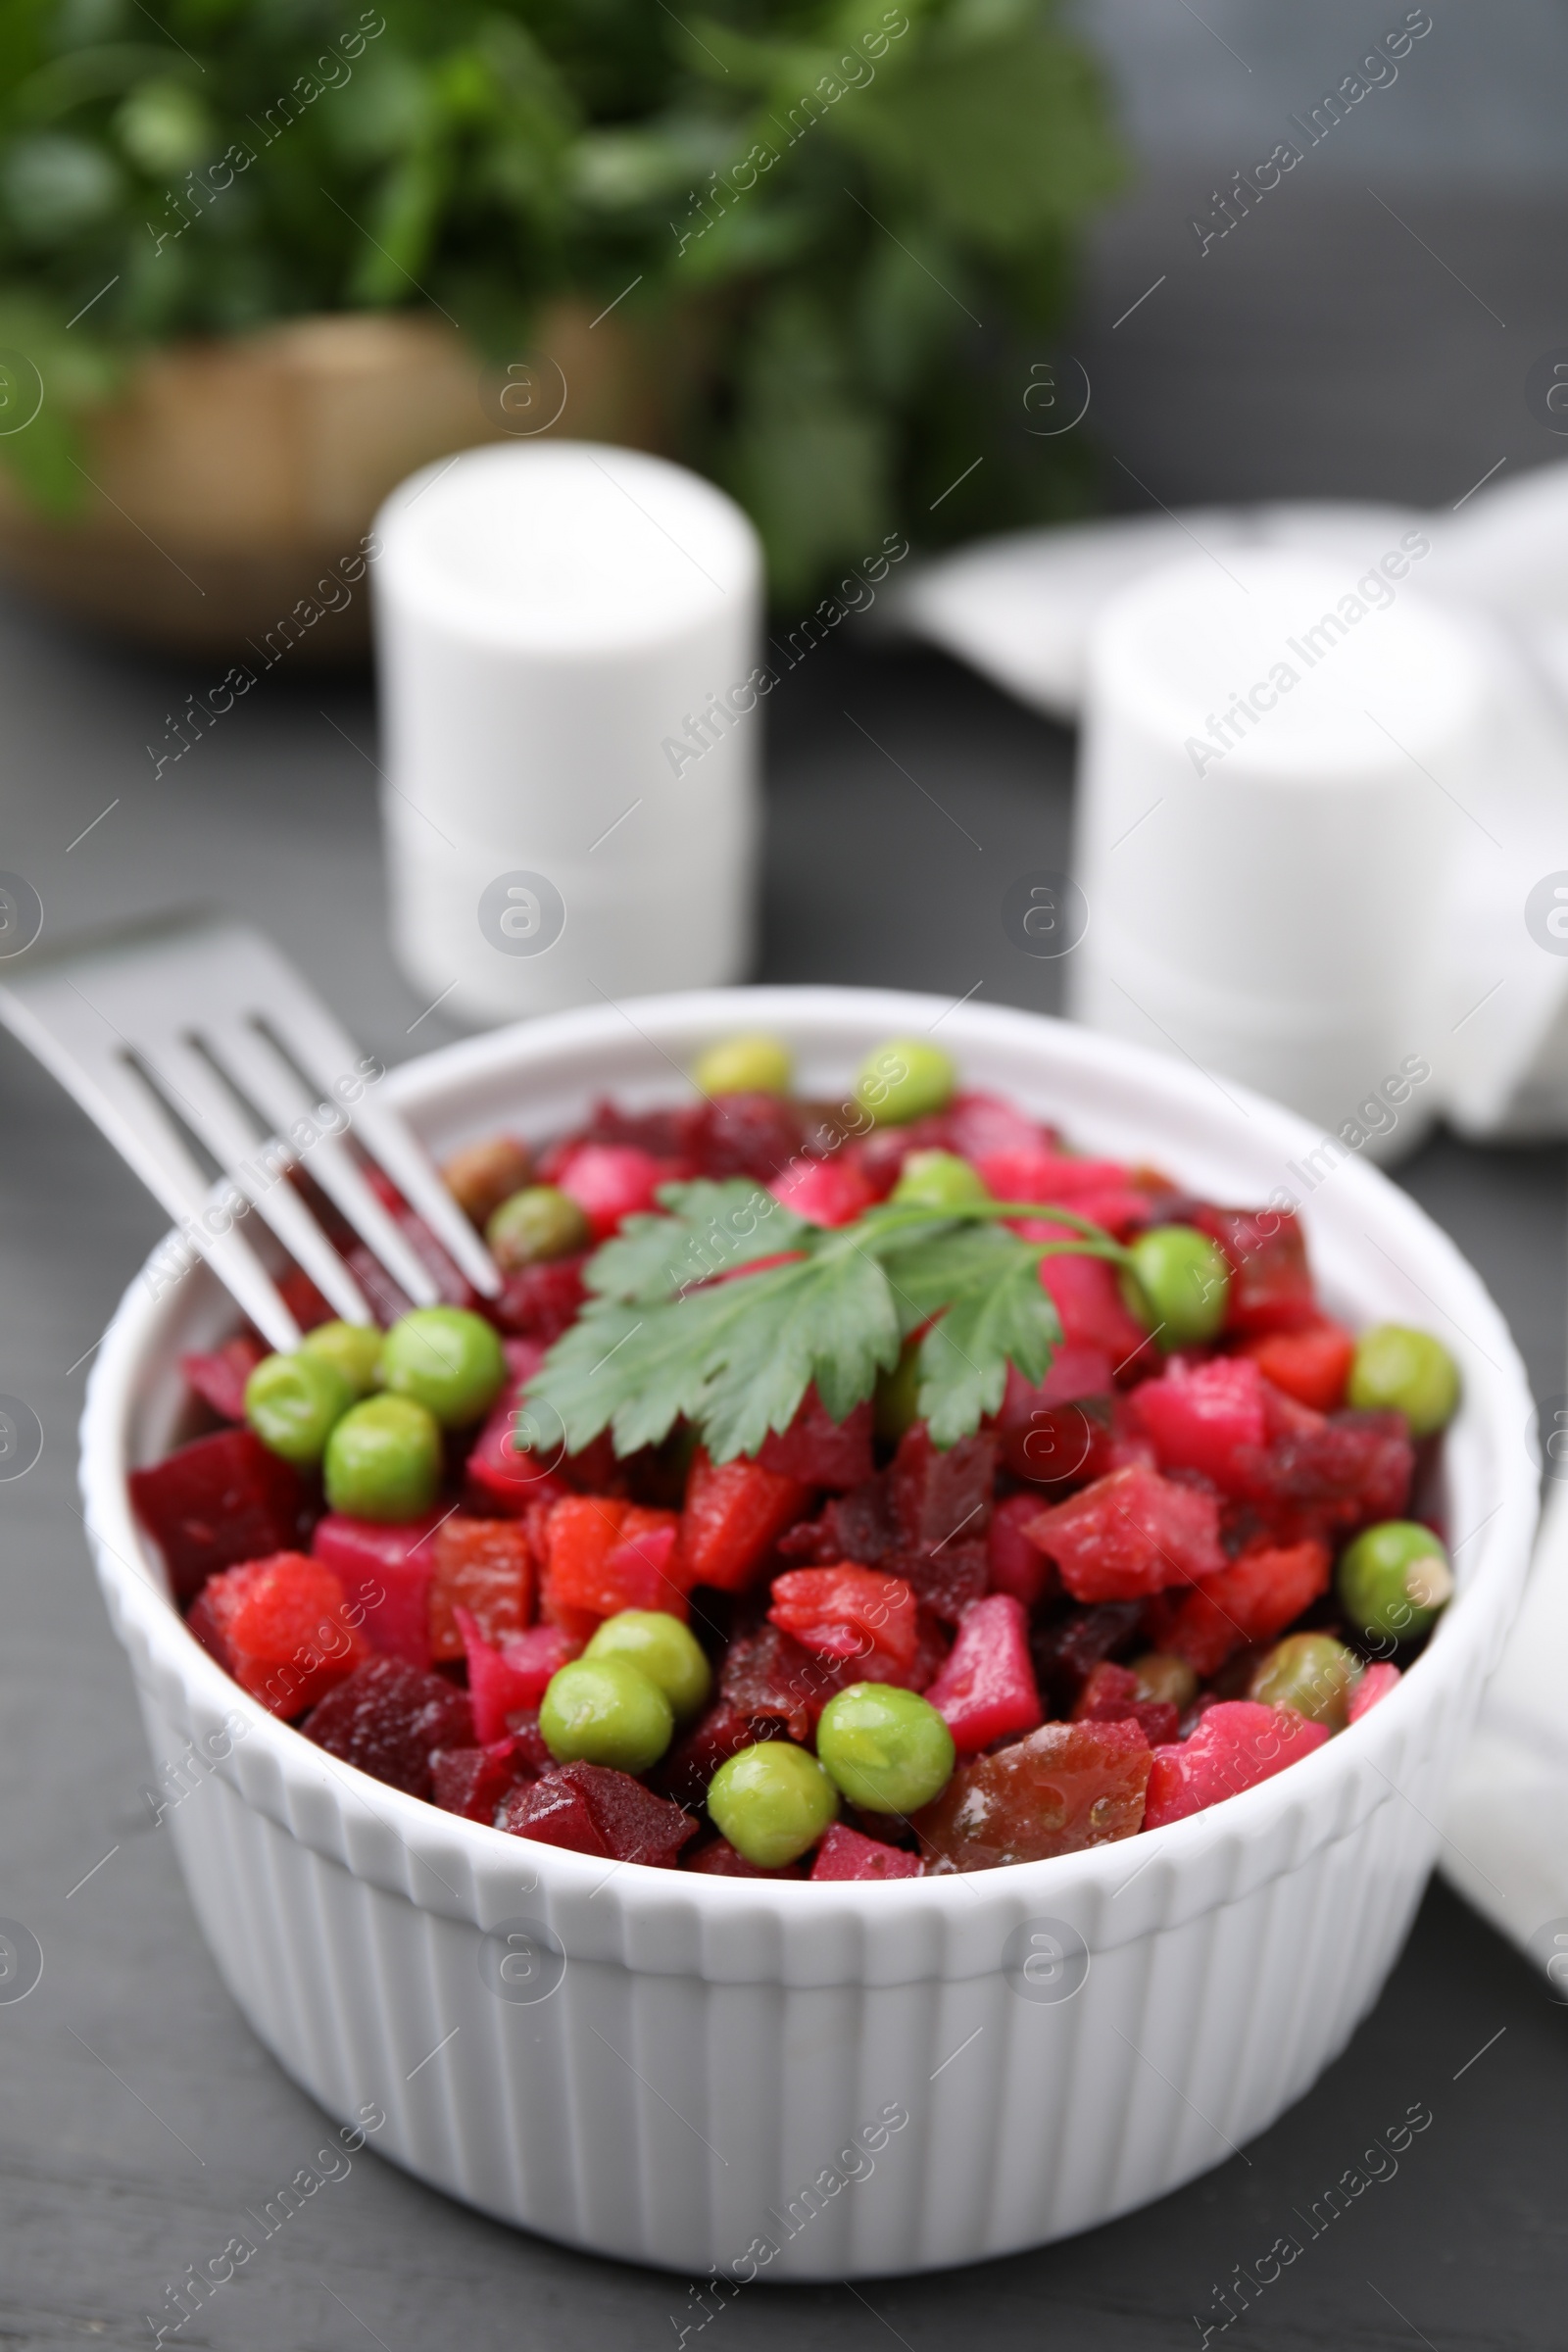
x=204 y=1018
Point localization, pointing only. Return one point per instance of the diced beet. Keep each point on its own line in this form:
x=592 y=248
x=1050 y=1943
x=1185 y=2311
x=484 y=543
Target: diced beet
x=283 y=1626
x=1310 y=1365
x=504 y=1478
x=981 y=1125
x=538 y=1302
x=880 y=1155
x=860 y=1615
x=1271 y=1282
x=386 y=1298
x=1252 y=1599
x=1094 y=1313
x=1201 y=1416
x=1063 y=1787
x=1236 y=1745
x=386 y=1570
x=986 y=1692
x=529 y=1746
x=1131 y=1534
x=824 y=1191
x=734 y=1513
x=665 y=1133
x=218 y=1376
x=304 y=1301
x=1067 y=1651
x=716 y=1858
x=858 y=1526
x=768 y=1676
x=219 y=1500
x=1123 y=1210
x=1039 y=1176
x=473 y=1780
x=1365 y=1459
x=940 y=1497
x=820 y=1450
x=746 y=1135
x=610 y=1182
x=1110 y=1696
x=627 y=1822
x=719 y=1734
x=1376 y=1682
x=501 y=1681
x=388 y=1718
x=1013 y=1563
x=845 y=1854
x=486 y=1567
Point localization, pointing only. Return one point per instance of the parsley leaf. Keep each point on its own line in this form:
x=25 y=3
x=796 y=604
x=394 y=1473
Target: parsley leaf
x=660 y=1340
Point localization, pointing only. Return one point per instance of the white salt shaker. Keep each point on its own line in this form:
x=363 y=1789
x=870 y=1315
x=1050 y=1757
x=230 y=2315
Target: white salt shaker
x=566 y=641
x=1279 y=763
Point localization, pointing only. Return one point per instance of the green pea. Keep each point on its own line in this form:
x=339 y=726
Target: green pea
x=939 y=1180
x=660 y=1646
x=1407 y=1372
x=904 y=1079
x=771 y=1802
x=1393 y=1579
x=1179 y=1285
x=897 y=1405
x=754 y=1065
x=383 y=1459
x=355 y=1348
x=447 y=1359
x=605 y=1711
x=292 y=1401
x=535 y=1224
x=1312 y=1673
x=887 y=1749
x=1162 y=1675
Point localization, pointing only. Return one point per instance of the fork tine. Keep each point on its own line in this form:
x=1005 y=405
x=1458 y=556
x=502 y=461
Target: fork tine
x=130 y=1115
x=325 y=1051
x=202 y=1100
x=260 y=1070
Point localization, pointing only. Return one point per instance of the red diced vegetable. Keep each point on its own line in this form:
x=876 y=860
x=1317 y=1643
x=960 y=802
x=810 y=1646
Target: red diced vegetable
x=1199 y=1415
x=734 y=1514
x=504 y=1478
x=1040 y=1175
x=940 y=1497
x=218 y=1377
x=1376 y=1682
x=770 y=1677
x=1094 y=1313
x=1131 y=1534
x=282 y=1629
x=1256 y=1596
x=1356 y=1469
x=1110 y=1696
x=824 y=1191
x=986 y=1690
x=602 y=1556
x=386 y=1571
x=388 y=1719
x=1063 y=1787
x=610 y=1182
x=1311 y=1365
x=980 y=1126
x=538 y=1302
x=486 y=1567
x=1271 y=1283
x=627 y=1822
x=473 y=1780
x=845 y=1854
x=858 y=1614
x=746 y=1135
x=1236 y=1743
x=820 y=1450
x=722 y=1733
x=304 y=1301
x=1067 y=1651
x=217 y=1501
x=1014 y=1562
x=502 y=1680
x=716 y=1858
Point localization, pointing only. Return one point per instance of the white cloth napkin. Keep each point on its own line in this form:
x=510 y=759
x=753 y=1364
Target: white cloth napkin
x=1021 y=608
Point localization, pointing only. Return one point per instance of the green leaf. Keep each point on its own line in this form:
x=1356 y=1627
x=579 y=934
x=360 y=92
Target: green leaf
x=710 y=1229
x=965 y=1357
x=830 y=1319
x=927 y=1270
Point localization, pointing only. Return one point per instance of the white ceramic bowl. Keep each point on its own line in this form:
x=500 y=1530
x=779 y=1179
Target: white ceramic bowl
x=787 y=2080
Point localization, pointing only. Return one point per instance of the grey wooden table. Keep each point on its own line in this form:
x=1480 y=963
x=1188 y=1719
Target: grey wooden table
x=138 y=2117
